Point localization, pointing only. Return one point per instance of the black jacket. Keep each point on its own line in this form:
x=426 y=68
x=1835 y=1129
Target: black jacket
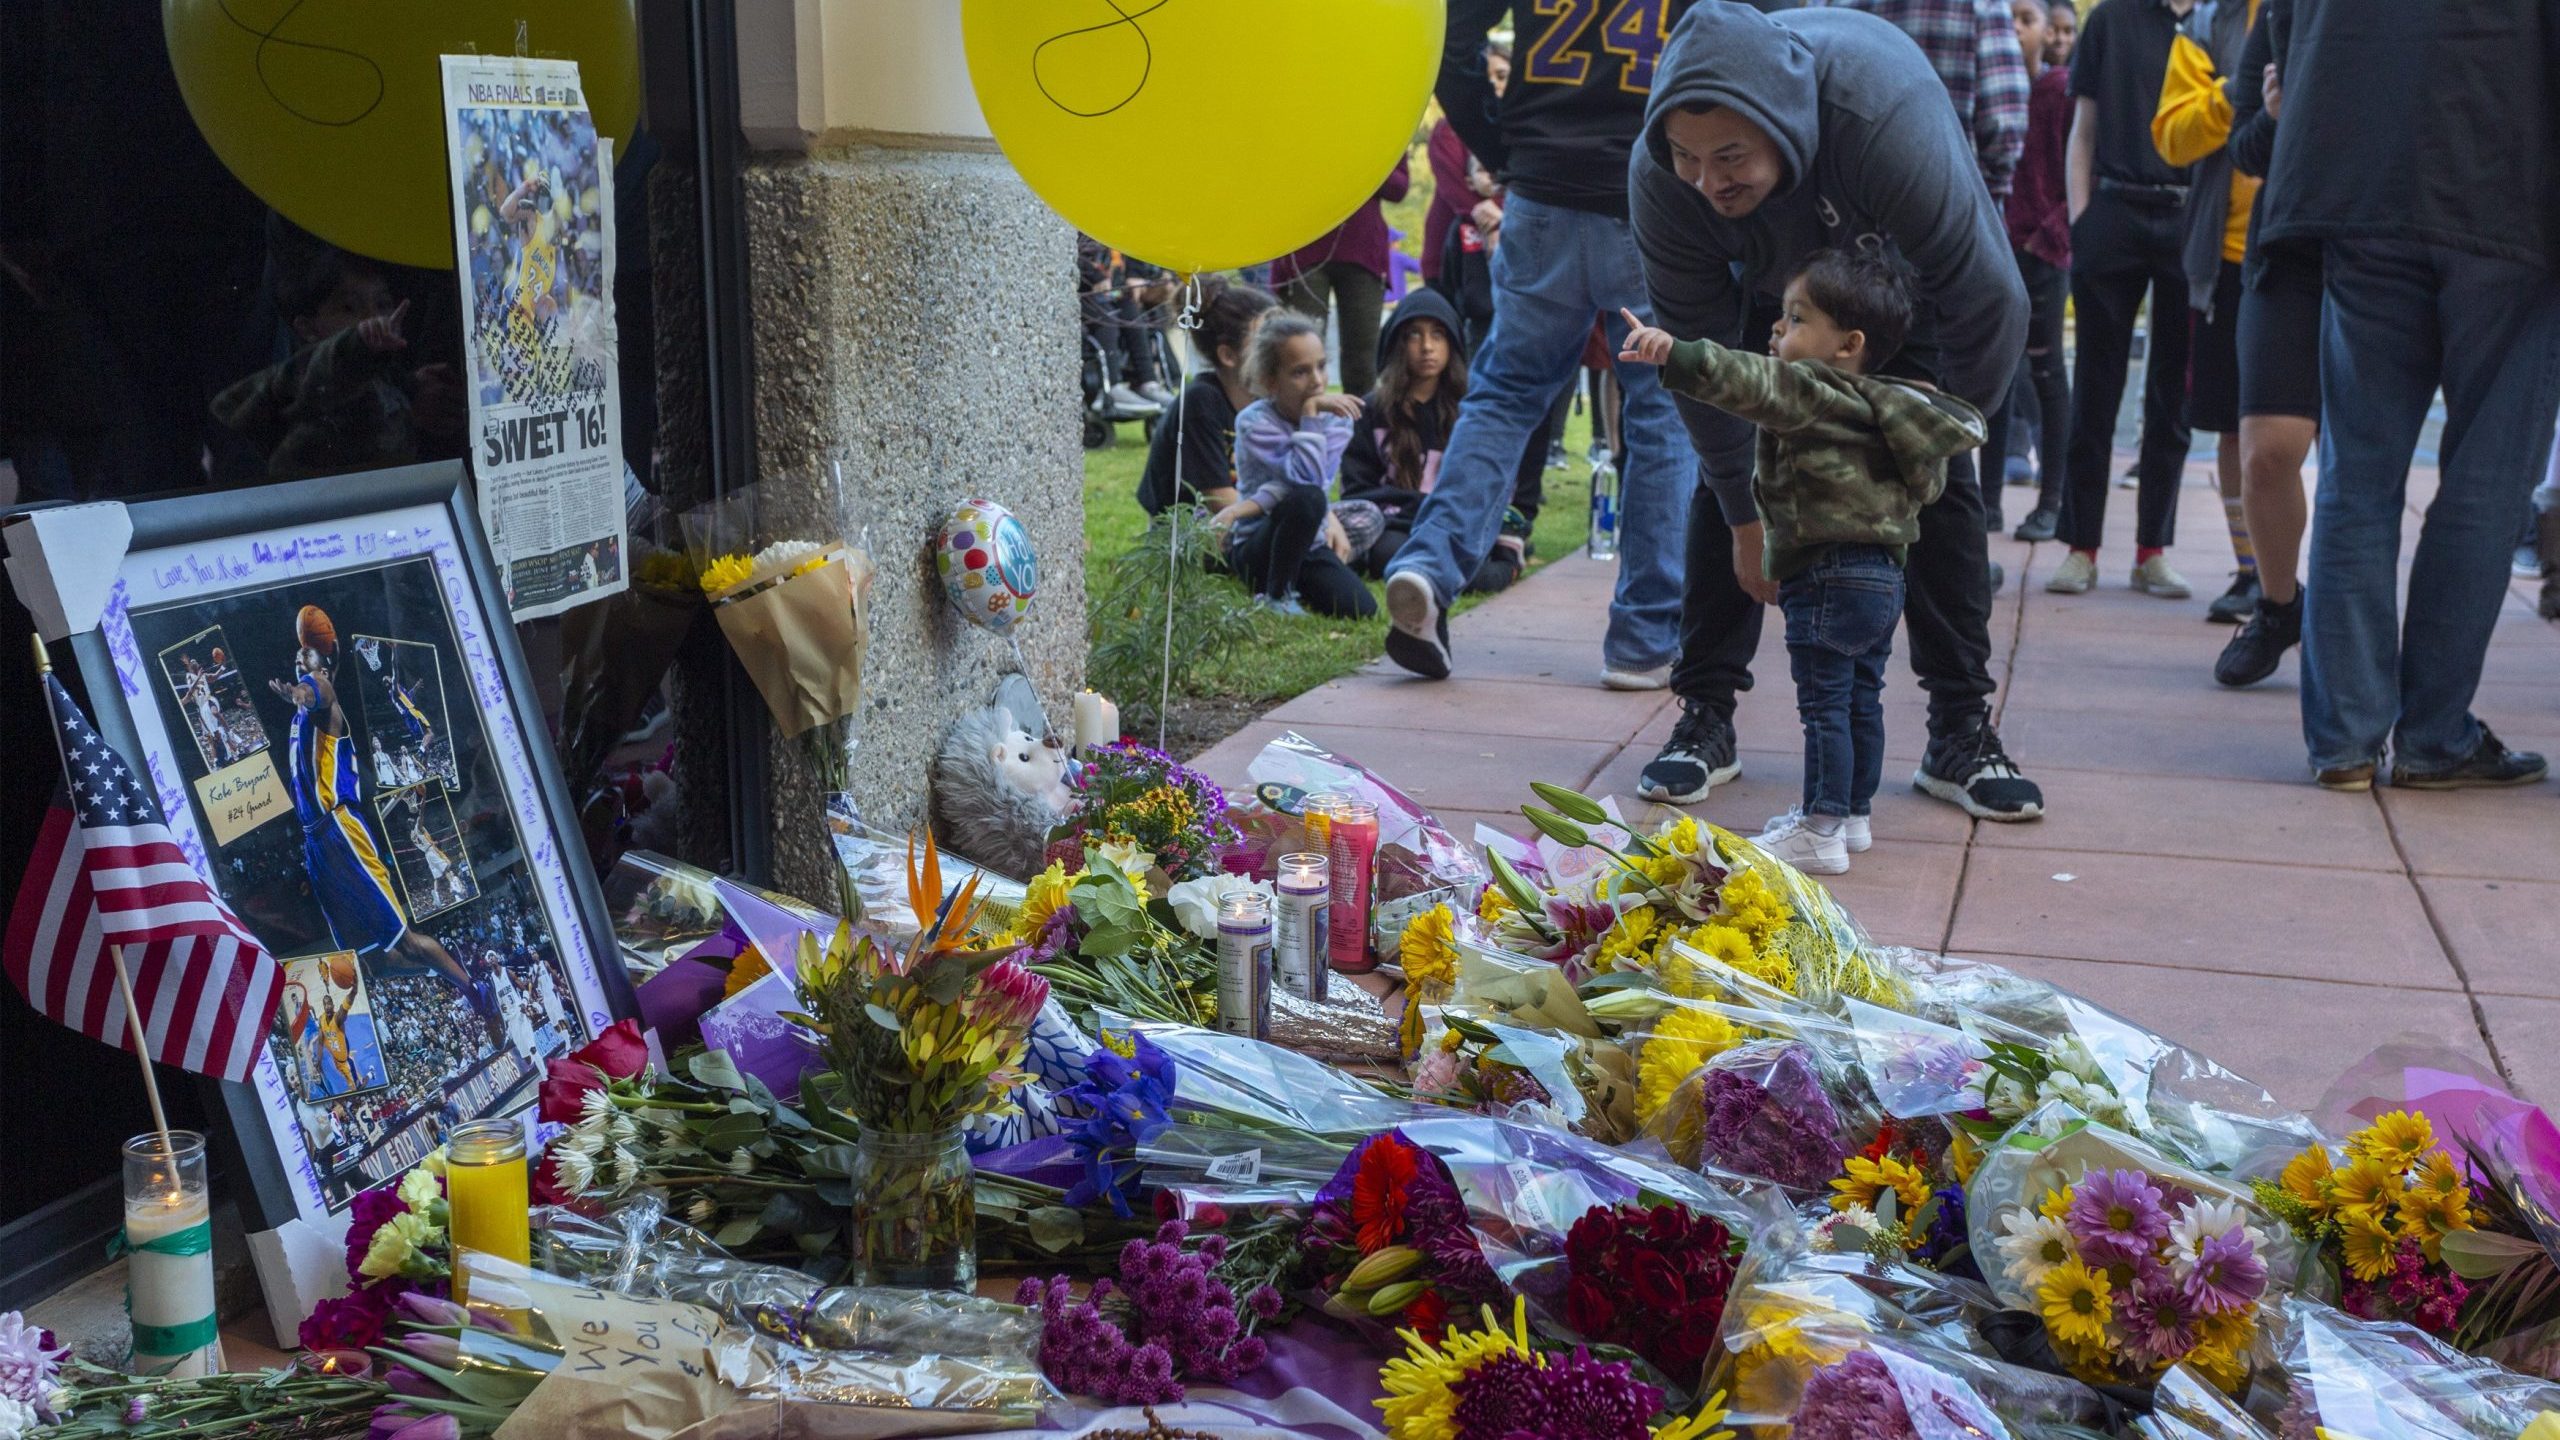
x=1561 y=132
x=1874 y=155
x=1364 y=461
x=2433 y=121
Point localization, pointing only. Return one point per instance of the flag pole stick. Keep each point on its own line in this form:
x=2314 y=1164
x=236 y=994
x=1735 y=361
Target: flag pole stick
x=124 y=986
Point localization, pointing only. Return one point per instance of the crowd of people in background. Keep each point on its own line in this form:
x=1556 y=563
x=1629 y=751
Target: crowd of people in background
x=1951 y=218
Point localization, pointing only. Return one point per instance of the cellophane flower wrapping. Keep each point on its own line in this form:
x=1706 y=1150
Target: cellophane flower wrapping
x=791 y=594
x=1826 y=1347
x=750 y=1350
x=1419 y=862
x=2093 y=1059
x=2187 y=1406
x=2378 y=1378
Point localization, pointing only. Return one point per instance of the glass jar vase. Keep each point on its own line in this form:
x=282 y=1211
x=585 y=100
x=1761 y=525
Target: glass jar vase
x=915 y=1211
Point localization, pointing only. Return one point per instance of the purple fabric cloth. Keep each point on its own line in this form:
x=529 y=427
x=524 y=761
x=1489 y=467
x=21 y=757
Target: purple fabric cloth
x=1049 y=1160
x=673 y=1001
x=1360 y=240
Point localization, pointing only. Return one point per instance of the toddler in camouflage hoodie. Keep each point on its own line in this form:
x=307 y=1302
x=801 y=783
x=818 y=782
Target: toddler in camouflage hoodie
x=1846 y=459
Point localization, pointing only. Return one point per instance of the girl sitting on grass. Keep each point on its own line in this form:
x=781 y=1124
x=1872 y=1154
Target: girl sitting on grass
x=1282 y=539
x=1192 y=458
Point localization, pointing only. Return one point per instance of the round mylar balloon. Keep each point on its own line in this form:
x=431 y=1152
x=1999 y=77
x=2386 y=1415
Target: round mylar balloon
x=984 y=558
x=332 y=111
x=1203 y=134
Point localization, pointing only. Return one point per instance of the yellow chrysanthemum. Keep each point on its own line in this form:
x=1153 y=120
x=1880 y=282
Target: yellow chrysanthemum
x=2365 y=1187
x=1725 y=943
x=2077 y=1304
x=1421 y=1402
x=1750 y=904
x=747 y=969
x=1630 y=937
x=2306 y=1178
x=1493 y=904
x=2224 y=1365
x=1865 y=1180
x=1429 y=950
x=1681 y=836
x=2369 y=1250
x=727 y=573
x=2222 y=1346
x=1707 y=1424
x=1684 y=1040
x=2398 y=1141
x=2055 y=1203
x=2440 y=1176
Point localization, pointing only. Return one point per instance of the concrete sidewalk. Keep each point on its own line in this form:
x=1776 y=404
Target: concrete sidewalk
x=2187 y=873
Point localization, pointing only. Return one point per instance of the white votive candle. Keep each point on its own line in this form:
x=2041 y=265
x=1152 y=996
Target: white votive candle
x=168 y=1233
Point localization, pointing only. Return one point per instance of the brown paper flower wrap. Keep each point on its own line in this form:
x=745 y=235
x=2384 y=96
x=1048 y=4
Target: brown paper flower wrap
x=801 y=634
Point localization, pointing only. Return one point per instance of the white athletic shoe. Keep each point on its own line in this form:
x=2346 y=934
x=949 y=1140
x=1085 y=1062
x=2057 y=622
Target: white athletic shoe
x=1810 y=851
x=1858 y=836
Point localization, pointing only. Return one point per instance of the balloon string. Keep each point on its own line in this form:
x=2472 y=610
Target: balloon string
x=1146 y=63
x=1189 y=320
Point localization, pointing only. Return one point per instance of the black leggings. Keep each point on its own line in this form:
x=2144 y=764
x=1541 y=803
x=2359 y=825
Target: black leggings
x=1279 y=557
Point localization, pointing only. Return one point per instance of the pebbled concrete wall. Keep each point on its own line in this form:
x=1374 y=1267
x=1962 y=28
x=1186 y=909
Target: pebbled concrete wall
x=915 y=320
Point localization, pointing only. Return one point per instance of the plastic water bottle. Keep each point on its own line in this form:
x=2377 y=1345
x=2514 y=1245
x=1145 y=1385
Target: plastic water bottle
x=1603 y=544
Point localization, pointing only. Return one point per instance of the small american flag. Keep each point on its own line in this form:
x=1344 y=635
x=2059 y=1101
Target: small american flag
x=107 y=872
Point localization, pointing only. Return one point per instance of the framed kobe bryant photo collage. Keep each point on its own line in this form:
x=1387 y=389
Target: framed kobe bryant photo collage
x=319 y=680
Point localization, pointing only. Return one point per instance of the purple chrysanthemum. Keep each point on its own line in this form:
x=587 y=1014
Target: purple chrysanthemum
x=1503 y=1394
x=28 y=1360
x=2227 y=1274
x=1778 y=1123
x=2159 y=1321
x=2116 y=1217
x=1855 y=1399
x=1591 y=1399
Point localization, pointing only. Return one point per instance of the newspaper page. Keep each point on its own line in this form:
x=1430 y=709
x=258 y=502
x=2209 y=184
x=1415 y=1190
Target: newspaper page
x=533 y=231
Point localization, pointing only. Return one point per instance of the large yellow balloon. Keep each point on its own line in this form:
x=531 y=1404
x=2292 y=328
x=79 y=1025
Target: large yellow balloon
x=332 y=111
x=1203 y=134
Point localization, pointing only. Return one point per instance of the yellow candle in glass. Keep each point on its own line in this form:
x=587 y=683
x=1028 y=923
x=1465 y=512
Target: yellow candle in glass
x=485 y=1185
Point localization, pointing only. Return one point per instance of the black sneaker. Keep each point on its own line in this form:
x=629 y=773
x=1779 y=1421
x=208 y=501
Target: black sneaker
x=1999 y=577
x=2270 y=631
x=1417 y=626
x=2233 y=605
x=1698 y=758
x=1971 y=771
x=2489 y=764
x=2041 y=524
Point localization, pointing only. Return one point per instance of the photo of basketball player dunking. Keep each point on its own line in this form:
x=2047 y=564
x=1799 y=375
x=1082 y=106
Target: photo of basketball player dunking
x=404 y=713
x=326 y=1024
x=353 y=886
x=213 y=696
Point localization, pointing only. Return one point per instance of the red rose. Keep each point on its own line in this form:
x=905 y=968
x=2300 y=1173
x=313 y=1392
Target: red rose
x=1654 y=1281
x=1587 y=1307
x=617 y=1054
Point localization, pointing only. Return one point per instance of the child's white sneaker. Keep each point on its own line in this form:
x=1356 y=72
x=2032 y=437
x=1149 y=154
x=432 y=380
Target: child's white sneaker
x=1795 y=841
x=1858 y=836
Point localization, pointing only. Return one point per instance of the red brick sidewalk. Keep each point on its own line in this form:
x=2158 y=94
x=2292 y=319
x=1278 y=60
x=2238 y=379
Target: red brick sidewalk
x=2187 y=873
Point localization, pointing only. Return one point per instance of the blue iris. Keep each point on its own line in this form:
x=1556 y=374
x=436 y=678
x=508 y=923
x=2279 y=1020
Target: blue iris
x=1123 y=1104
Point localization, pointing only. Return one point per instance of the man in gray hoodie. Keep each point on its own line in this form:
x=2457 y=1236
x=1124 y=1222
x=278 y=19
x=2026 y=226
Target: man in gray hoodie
x=1767 y=137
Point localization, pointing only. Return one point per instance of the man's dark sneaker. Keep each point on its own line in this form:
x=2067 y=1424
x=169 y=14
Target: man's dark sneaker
x=2489 y=764
x=2040 y=524
x=1970 y=770
x=2233 y=605
x=1417 y=627
x=2252 y=655
x=1698 y=758
x=2347 y=779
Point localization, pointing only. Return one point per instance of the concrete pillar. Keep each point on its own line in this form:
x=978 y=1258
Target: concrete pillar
x=914 y=319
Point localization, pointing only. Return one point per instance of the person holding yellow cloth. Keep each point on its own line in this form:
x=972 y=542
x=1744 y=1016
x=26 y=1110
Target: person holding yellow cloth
x=2192 y=128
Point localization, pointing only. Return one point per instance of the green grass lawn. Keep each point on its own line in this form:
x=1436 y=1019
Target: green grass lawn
x=1291 y=654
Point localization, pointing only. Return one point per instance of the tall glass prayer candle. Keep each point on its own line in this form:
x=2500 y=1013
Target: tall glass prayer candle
x=485 y=1184
x=1244 y=964
x=1351 y=833
x=1317 y=814
x=1302 y=953
x=168 y=1228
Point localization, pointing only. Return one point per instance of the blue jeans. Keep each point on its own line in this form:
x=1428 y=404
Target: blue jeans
x=1554 y=271
x=2398 y=319
x=1840 y=614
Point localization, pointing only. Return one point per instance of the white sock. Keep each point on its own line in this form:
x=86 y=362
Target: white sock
x=1825 y=825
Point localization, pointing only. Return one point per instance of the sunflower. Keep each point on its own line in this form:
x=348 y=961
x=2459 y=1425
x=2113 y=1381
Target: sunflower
x=2430 y=1216
x=2363 y=1188
x=2077 y=1304
x=1865 y=1181
x=2440 y=1175
x=2370 y=1251
x=1044 y=897
x=1685 y=1040
x=2398 y=1140
x=1422 y=1384
x=2306 y=1178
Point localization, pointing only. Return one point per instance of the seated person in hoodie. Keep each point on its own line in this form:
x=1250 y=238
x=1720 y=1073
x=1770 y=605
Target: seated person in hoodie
x=1394 y=456
x=1282 y=538
x=1843 y=464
